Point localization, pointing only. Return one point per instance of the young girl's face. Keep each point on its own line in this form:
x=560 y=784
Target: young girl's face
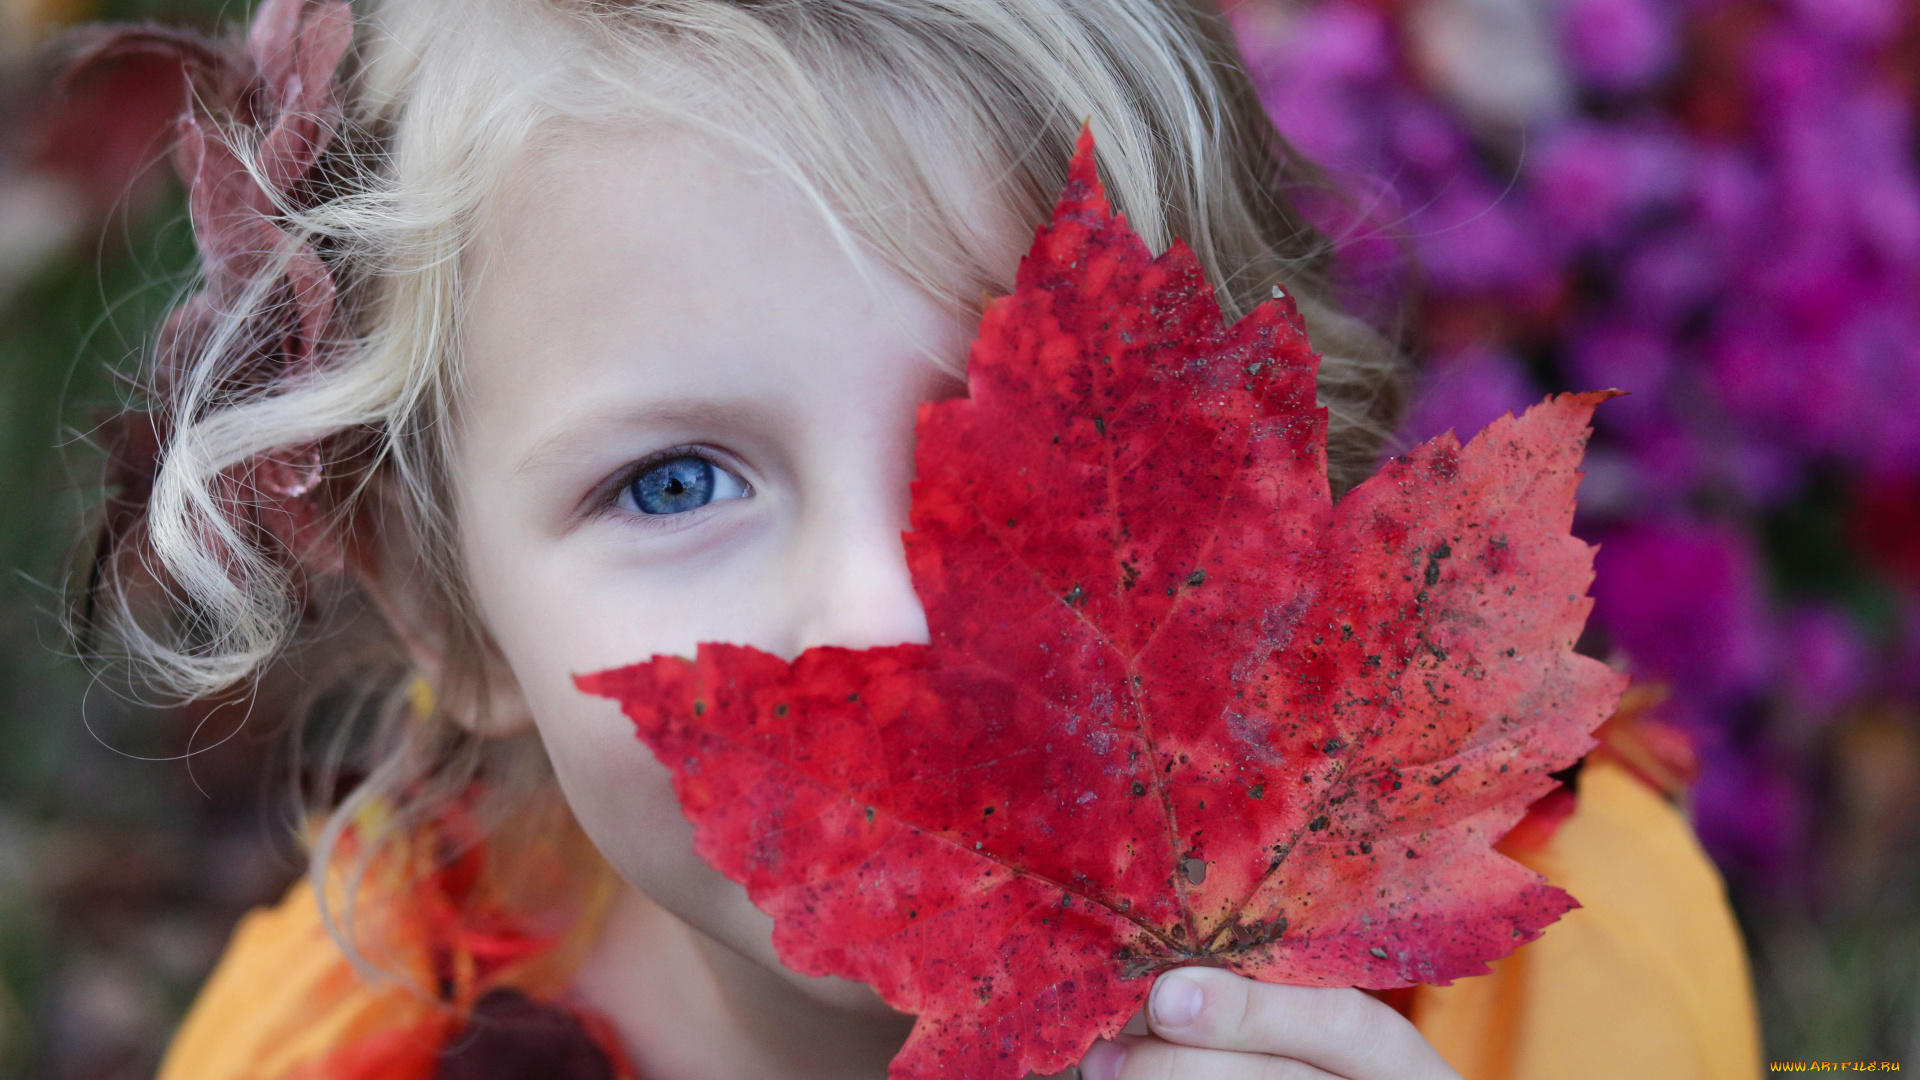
x=686 y=416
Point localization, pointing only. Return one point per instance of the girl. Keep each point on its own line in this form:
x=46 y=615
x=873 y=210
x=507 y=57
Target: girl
x=540 y=336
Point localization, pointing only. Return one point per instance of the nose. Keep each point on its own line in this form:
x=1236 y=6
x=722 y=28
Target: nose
x=857 y=590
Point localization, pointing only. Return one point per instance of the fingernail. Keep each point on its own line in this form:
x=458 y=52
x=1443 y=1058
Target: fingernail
x=1103 y=1061
x=1176 y=1000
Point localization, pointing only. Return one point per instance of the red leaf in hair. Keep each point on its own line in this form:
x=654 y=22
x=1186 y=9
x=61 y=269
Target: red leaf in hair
x=277 y=102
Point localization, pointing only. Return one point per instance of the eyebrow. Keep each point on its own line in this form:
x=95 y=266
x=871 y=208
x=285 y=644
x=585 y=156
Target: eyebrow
x=563 y=444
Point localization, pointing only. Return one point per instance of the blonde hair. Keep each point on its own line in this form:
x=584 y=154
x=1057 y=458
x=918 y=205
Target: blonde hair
x=859 y=103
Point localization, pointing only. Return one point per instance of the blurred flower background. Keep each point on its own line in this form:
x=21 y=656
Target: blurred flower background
x=1713 y=204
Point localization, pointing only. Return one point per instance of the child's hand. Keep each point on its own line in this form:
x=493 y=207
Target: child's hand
x=1210 y=1024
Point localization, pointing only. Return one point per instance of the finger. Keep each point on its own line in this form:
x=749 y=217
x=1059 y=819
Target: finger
x=1340 y=1031
x=1155 y=1059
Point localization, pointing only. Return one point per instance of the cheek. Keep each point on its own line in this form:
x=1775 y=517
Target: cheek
x=620 y=793
x=549 y=628
x=622 y=796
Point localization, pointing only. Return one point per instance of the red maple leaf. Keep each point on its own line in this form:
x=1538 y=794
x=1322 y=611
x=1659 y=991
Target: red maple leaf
x=1178 y=707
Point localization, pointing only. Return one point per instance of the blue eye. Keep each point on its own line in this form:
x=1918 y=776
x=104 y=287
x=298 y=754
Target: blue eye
x=680 y=484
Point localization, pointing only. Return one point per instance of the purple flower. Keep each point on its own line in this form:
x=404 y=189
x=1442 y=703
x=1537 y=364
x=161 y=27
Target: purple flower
x=1471 y=237
x=1903 y=674
x=1743 y=254
x=1825 y=658
x=1853 y=22
x=1320 y=80
x=1592 y=182
x=1425 y=137
x=1618 y=45
x=1672 y=275
x=1881 y=346
x=1729 y=193
x=1751 y=818
x=1791 y=386
x=1834 y=371
x=1684 y=601
x=1669 y=462
x=1762 y=471
x=1467 y=392
x=1618 y=355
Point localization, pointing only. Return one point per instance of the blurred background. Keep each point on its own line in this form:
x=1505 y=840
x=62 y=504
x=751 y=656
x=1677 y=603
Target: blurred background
x=1714 y=204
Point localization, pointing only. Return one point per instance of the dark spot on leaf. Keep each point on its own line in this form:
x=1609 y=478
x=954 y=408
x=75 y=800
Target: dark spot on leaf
x=1444 y=777
x=1198 y=577
x=699 y=708
x=1317 y=823
x=1100 y=425
x=853 y=696
x=1195 y=870
x=1334 y=745
x=869 y=813
x=1139 y=788
x=780 y=709
x=1258 y=791
x=988 y=812
x=1075 y=595
x=1366 y=847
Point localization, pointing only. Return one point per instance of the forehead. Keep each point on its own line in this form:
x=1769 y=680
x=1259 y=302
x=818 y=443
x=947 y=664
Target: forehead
x=652 y=265
x=607 y=229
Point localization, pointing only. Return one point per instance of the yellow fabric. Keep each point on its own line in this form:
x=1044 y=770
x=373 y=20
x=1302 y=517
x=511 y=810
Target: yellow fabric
x=282 y=997
x=1647 y=978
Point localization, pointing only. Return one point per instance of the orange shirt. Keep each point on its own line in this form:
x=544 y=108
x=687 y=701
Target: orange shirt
x=1646 y=979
